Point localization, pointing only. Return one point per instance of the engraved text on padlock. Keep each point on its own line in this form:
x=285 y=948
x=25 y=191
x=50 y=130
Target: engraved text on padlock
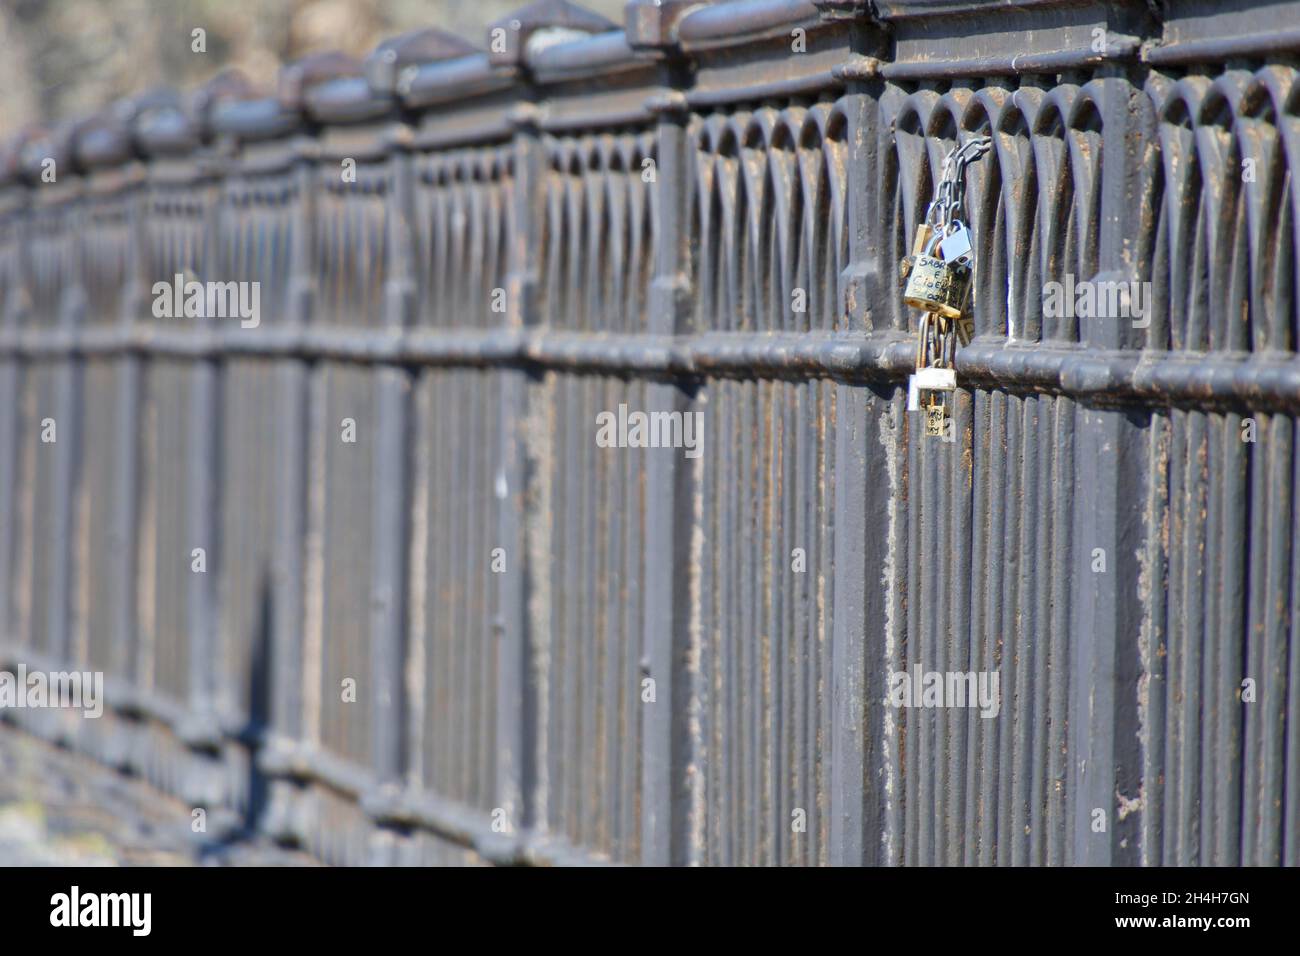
x=935 y=286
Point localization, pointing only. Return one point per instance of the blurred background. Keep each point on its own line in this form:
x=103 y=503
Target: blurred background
x=65 y=58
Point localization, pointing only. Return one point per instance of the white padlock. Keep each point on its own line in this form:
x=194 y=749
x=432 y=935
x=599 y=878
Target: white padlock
x=934 y=380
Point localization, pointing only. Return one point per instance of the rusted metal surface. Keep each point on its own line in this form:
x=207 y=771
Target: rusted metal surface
x=566 y=653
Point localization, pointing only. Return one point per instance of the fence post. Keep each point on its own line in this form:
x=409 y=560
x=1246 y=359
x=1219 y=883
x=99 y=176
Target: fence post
x=671 y=834
x=67 y=382
x=126 y=489
x=516 y=705
x=13 y=195
x=391 y=486
x=1109 y=463
x=863 y=491
x=203 y=501
x=292 y=378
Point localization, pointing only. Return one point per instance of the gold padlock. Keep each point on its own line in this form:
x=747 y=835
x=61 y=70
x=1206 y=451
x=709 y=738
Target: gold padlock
x=935 y=286
x=919 y=244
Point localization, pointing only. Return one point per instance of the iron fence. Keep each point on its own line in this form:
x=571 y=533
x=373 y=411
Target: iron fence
x=559 y=652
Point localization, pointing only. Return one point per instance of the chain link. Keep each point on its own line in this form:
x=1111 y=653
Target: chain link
x=945 y=212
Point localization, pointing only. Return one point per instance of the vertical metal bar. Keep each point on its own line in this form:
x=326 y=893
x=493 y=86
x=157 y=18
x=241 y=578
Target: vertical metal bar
x=1273 y=686
x=1251 y=625
x=782 y=594
x=1108 y=461
x=202 y=501
x=1025 y=635
x=485 y=395
x=1228 y=585
x=803 y=503
x=977 y=771
x=1092 y=665
x=866 y=461
x=66 y=375
x=390 y=486
x=124 y=531
x=291 y=385
x=1155 y=647
x=11 y=376
x=1290 y=619
x=569 y=659
x=517 y=687
x=582 y=558
x=670 y=833
x=726 y=394
x=1011 y=519
x=1176 y=836
x=1058 y=814
x=858 y=607
x=1001 y=443
x=962 y=465
x=745 y=633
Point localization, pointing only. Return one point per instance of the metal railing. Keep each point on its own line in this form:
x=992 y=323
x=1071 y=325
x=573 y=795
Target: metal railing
x=560 y=652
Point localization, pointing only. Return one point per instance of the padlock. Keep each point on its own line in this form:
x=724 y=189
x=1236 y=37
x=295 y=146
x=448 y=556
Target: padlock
x=937 y=286
x=965 y=329
x=933 y=384
x=935 y=379
x=919 y=245
x=927 y=381
x=955 y=247
x=936 y=416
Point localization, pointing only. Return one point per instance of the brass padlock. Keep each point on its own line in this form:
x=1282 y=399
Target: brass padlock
x=937 y=286
x=919 y=244
x=936 y=418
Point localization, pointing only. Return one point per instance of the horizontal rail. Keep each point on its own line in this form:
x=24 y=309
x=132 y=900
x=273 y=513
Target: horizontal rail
x=1145 y=377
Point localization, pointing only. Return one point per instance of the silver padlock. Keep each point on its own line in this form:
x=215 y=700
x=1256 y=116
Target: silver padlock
x=955 y=247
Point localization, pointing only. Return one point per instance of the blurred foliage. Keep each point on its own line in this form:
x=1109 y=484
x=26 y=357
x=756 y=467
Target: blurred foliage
x=67 y=58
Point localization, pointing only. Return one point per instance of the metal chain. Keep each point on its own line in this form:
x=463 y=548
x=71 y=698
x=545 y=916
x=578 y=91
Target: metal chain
x=937 y=336
x=945 y=210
